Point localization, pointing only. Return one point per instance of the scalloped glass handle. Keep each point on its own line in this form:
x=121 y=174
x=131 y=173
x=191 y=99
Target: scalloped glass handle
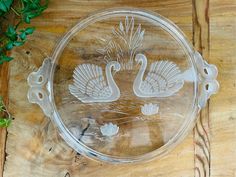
x=38 y=92
x=207 y=78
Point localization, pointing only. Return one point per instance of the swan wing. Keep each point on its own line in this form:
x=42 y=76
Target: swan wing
x=89 y=82
x=163 y=79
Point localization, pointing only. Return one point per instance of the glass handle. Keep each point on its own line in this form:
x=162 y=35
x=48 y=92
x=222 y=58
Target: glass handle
x=207 y=79
x=38 y=92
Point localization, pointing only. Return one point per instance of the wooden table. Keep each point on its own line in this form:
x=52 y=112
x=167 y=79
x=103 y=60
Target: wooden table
x=33 y=147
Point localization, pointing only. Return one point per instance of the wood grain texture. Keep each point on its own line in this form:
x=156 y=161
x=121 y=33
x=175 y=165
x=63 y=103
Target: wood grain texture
x=34 y=147
x=223 y=106
x=202 y=152
x=4 y=78
x=4 y=88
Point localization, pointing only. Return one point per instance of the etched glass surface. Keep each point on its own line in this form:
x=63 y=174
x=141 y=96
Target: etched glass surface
x=122 y=85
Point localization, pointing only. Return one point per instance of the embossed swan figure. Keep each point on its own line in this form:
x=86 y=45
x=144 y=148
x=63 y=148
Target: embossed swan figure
x=162 y=80
x=90 y=86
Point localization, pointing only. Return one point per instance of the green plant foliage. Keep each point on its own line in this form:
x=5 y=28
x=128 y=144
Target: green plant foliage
x=4 y=120
x=13 y=36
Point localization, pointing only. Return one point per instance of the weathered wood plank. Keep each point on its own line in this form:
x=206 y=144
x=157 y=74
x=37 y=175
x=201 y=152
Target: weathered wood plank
x=223 y=105
x=4 y=88
x=4 y=78
x=202 y=152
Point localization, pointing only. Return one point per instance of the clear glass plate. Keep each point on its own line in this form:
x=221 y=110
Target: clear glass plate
x=123 y=85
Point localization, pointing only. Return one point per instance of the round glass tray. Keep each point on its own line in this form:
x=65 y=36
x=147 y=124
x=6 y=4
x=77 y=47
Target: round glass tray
x=123 y=85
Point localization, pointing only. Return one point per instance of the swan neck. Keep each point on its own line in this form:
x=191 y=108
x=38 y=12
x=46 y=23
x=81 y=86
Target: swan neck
x=140 y=74
x=111 y=83
x=144 y=64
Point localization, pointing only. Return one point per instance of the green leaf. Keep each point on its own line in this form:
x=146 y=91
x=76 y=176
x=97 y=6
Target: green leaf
x=8 y=3
x=22 y=36
x=33 y=14
x=26 y=19
x=5 y=122
x=29 y=30
x=18 y=43
x=11 y=29
x=33 y=8
x=3 y=7
x=11 y=33
x=4 y=58
x=9 y=45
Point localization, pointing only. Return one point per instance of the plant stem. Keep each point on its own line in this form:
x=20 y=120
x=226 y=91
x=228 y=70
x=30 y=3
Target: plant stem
x=22 y=3
x=15 y=11
x=6 y=110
